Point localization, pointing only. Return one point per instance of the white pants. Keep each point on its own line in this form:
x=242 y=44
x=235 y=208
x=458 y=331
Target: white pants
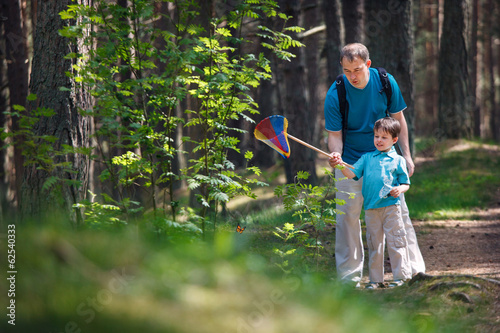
x=384 y=224
x=349 y=254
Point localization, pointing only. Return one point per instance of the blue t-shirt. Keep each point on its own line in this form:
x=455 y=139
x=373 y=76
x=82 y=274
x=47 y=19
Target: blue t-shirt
x=366 y=106
x=381 y=171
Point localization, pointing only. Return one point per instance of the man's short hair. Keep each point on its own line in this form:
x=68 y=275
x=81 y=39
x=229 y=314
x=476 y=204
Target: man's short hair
x=351 y=51
x=388 y=125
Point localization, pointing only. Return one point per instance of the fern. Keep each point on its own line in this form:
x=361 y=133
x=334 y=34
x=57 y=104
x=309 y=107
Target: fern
x=50 y=183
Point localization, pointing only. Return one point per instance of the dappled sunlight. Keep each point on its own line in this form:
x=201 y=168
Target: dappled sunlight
x=461 y=247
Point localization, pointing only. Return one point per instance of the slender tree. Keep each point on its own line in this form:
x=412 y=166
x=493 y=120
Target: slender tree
x=352 y=13
x=390 y=42
x=296 y=106
x=16 y=57
x=333 y=41
x=489 y=68
x=454 y=112
x=266 y=97
x=310 y=10
x=473 y=67
x=68 y=127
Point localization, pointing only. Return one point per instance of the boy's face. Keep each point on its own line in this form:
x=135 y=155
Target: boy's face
x=383 y=141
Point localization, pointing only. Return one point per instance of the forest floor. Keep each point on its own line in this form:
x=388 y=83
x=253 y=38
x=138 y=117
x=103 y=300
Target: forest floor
x=470 y=247
x=462 y=247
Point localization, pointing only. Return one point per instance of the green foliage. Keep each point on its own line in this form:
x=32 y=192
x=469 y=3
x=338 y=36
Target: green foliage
x=289 y=235
x=111 y=213
x=314 y=208
x=42 y=152
x=139 y=75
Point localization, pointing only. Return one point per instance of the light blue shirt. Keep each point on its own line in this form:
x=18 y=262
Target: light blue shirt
x=366 y=106
x=381 y=171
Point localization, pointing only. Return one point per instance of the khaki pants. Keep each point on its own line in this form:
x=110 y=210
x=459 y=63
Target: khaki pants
x=349 y=254
x=381 y=224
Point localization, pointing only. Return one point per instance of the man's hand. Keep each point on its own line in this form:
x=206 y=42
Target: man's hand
x=335 y=159
x=410 y=166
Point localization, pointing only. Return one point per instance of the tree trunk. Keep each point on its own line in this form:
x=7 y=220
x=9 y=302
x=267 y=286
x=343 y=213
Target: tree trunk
x=196 y=133
x=473 y=69
x=266 y=97
x=68 y=126
x=5 y=163
x=297 y=110
x=310 y=10
x=454 y=115
x=16 y=56
x=333 y=42
x=390 y=43
x=352 y=12
x=426 y=54
x=489 y=68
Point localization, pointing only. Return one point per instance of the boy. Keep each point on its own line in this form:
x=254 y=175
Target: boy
x=385 y=178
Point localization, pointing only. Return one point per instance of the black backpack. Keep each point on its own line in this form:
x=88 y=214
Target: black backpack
x=344 y=106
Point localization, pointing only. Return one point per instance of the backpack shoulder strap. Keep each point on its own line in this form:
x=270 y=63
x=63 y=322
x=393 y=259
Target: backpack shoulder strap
x=386 y=87
x=343 y=105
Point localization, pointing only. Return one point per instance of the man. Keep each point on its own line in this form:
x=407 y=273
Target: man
x=367 y=103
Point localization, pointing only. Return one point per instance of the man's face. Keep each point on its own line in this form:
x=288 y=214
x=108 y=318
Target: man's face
x=357 y=71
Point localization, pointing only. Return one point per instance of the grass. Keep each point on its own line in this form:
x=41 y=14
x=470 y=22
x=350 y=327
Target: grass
x=456 y=184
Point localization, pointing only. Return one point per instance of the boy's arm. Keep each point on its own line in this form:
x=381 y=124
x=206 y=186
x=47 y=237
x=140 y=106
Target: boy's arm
x=398 y=190
x=357 y=169
x=348 y=173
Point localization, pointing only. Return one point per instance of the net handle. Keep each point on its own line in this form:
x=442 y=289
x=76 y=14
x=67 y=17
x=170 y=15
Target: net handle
x=316 y=149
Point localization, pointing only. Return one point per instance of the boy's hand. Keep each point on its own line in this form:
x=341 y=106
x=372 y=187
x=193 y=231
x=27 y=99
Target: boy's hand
x=395 y=192
x=398 y=190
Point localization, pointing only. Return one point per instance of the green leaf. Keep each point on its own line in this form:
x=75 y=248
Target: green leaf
x=67 y=15
x=49 y=183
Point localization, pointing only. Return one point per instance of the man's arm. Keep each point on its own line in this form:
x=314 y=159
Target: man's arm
x=335 y=147
x=404 y=142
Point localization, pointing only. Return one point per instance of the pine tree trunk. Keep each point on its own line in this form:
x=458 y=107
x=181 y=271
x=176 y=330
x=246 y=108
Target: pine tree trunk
x=16 y=57
x=352 y=12
x=390 y=42
x=48 y=75
x=310 y=10
x=333 y=42
x=489 y=65
x=473 y=68
x=266 y=97
x=297 y=110
x=454 y=115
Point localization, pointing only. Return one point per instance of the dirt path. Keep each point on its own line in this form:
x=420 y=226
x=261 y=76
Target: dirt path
x=454 y=247
x=462 y=247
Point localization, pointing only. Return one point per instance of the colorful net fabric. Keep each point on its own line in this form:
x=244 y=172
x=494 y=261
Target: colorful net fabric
x=272 y=131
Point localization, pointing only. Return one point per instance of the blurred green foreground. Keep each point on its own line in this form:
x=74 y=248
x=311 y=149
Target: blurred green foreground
x=123 y=281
